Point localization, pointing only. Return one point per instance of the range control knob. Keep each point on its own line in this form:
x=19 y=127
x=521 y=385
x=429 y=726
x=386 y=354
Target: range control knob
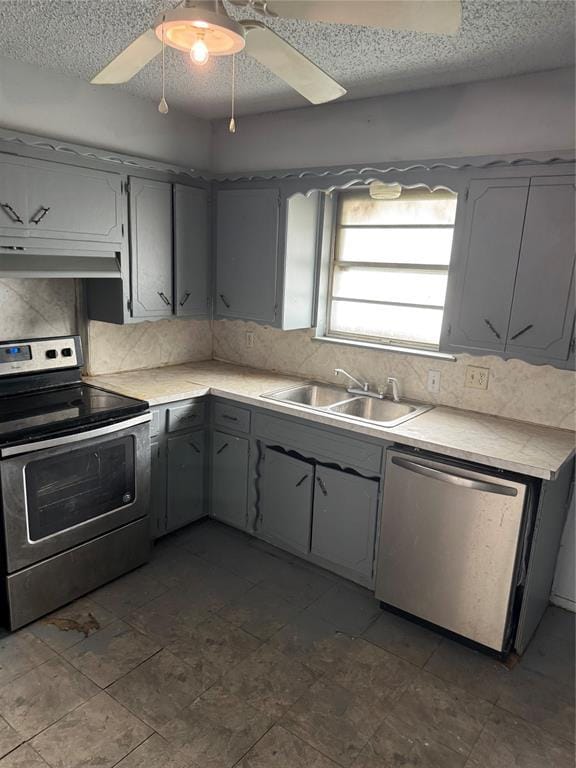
x=51 y=354
x=66 y=352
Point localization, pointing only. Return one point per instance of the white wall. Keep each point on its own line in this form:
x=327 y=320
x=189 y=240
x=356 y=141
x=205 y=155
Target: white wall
x=512 y=115
x=48 y=104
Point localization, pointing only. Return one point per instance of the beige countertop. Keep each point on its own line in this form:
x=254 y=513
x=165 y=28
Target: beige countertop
x=529 y=449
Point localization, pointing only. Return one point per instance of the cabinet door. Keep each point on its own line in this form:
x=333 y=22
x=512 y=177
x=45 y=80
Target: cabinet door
x=69 y=203
x=186 y=454
x=247 y=254
x=285 y=502
x=191 y=251
x=157 y=489
x=344 y=520
x=151 y=247
x=542 y=318
x=229 y=478
x=485 y=266
x=13 y=200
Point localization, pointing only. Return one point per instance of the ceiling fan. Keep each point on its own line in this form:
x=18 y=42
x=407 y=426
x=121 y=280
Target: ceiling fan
x=203 y=28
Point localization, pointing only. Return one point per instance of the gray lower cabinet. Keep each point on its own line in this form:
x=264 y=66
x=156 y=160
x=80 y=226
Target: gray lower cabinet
x=191 y=252
x=229 y=490
x=185 y=479
x=151 y=248
x=285 y=500
x=344 y=521
x=157 y=489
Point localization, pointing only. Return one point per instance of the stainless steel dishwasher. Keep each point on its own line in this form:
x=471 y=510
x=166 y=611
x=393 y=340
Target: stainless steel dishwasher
x=451 y=545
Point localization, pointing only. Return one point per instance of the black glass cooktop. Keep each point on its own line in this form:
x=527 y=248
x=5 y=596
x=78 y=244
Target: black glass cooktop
x=60 y=410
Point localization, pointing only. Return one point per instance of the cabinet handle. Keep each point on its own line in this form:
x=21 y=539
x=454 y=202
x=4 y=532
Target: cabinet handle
x=516 y=335
x=299 y=483
x=224 y=300
x=494 y=331
x=39 y=215
x=222 y=448
x=322 y=485
x=184 y=299
x=230 y=418
x=194 y=446
x=12 y=215
x=164 y=298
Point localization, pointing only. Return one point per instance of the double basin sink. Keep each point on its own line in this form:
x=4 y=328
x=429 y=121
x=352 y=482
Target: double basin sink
x=328 y=399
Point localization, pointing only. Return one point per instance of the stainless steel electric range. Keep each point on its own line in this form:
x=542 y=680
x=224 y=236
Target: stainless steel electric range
x=74 y=480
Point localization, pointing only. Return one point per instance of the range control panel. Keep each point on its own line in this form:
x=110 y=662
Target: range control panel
x=39 y=355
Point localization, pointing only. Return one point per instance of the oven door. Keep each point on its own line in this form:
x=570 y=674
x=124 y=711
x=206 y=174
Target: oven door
x=64 y=491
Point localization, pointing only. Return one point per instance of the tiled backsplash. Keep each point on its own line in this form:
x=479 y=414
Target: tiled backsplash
x=113 y=348
x=516 y=390
x=36 y=308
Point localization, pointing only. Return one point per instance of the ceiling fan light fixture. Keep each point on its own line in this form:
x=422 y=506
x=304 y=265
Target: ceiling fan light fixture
x=219 y=35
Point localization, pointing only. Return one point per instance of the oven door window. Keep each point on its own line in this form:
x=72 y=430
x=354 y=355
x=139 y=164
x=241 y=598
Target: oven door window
x=69 y=489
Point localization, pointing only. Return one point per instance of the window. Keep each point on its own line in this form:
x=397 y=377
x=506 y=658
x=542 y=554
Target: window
x=389 y=268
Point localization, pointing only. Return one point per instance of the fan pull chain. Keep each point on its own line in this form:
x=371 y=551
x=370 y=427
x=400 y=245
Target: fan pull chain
x=163 y=106
x=232 y=123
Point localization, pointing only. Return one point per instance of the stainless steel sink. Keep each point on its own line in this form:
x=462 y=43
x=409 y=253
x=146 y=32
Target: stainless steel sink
x=313 y=395
x=385 y=412
x=339 y=402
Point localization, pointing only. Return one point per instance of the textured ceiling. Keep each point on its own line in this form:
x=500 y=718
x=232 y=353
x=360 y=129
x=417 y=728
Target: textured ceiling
x=78 y=37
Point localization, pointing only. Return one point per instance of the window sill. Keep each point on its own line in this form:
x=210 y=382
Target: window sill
x=385 y=347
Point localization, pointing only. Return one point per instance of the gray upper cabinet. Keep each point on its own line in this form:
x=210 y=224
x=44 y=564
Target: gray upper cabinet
x=151 y=248
x=266 y=254
x=285 y=500
x=55 y=201
x=191 y=252
x=13 y=197
x=542 y=317
x=229 y=496
x=344 y=522
x=185 y=472
x=247 y=253
x=485 y=269
x=511 y=286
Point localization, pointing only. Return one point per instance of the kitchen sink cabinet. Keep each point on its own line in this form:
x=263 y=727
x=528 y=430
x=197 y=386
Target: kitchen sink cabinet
x=266 y=246
x=511 y=285
x=344 y=521
x=151 y=248
x=191 y=252
x=229 y=481
x=285 y=503
x=186 y=455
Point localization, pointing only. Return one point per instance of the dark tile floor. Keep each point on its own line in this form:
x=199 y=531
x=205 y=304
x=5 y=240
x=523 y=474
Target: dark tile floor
x=226 y=652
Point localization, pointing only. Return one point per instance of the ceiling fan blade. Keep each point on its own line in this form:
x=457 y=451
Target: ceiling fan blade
x=434 y=16
x=130 y=61
x=290 y=65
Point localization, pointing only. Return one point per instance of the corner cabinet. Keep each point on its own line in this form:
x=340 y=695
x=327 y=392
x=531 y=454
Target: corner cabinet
x=511 y=285
x=229 y=466
x=266 y=246
x=191 y=252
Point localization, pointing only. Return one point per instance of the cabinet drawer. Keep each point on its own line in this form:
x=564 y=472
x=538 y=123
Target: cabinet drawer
x=232 y=416
x=185 y=416
x=319 y=443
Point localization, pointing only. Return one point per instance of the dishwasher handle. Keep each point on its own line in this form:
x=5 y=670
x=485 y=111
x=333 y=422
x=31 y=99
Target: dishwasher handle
x=453 y=477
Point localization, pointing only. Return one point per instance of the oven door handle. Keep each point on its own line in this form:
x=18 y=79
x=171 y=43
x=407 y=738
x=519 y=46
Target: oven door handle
x=78 y=437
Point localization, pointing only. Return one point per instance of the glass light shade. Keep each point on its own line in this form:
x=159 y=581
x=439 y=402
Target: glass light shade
x=221 y=34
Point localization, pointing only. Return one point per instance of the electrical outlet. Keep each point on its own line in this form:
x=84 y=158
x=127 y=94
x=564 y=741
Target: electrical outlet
x=476 y=378
x=433 y=383
x=249 y=339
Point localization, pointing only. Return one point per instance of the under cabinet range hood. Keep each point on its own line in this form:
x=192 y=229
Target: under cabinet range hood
x=35 y=261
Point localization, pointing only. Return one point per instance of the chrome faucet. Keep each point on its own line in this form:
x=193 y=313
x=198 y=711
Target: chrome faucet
x=362 y=386
x=395 y=388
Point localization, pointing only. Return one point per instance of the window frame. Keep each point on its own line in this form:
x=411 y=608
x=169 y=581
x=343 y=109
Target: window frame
x=328 y=334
